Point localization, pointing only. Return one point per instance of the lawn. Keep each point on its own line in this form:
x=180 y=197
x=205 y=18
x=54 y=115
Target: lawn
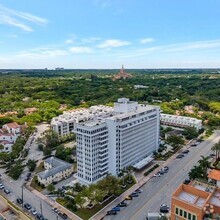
x=88 y=213
x=35 y=185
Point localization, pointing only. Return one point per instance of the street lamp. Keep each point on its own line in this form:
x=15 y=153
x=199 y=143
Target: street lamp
x=41 y=207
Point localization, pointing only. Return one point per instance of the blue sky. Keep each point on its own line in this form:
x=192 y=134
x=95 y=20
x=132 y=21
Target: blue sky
x=108 y=33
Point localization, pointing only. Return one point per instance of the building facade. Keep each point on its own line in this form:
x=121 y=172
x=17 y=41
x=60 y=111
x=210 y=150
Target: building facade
x=55 y=170
x=196 y=201
x=8 y=135
x=109 y=144
x=180 y=121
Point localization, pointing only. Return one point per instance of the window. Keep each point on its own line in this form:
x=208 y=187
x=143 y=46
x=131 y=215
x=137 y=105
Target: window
x=189 y=216
x=185 y=214
x=177 y=211
x=194 y=217
x=181 y=212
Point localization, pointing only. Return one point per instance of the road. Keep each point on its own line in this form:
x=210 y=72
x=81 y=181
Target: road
x=159 y=190
x=29 y=197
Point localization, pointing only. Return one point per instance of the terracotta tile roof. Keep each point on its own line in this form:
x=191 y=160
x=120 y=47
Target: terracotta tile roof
x=214 y=174
x=13 y=125
x=5 y=142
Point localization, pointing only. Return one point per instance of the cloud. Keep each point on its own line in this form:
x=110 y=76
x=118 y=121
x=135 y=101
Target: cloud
x=90 y=40
x=69 y=41
x=42 y=52
x=80 y=50
x=19 y=19
x=108 y=44
x=146 y=40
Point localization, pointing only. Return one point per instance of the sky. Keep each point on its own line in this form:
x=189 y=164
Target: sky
x=108 y=33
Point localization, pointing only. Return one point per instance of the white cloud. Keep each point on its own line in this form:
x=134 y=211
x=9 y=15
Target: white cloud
x=19 y=19
x=69 y=41
x=90 y=40
x=108 y=44
x=80 y=50
x=42 y=52
x=146 y=40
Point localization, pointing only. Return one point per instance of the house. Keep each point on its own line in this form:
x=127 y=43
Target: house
x=8 y=135
x=173 y=132
x=12 y=127
x=214 y=176
x=55 y=170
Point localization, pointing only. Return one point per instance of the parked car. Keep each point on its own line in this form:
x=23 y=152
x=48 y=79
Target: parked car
x=185 y=152
x=134 y=194
x=27 y=206
x=186 y=181
x=164 y=208
x=33 y=211
x=6 y=191
x=111 y=212
x=166 y=168
x=116 y=208
x=139 y=190
x=122 y=204
x=1 y=186
x=19 y=200
x=62 y=215
x=156 y=175
x=180 y=156
x=128 y=198
x=193 y=145
x=54 y=209
x=212 y=155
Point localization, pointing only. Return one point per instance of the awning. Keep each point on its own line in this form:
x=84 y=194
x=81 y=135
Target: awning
x=143 y=162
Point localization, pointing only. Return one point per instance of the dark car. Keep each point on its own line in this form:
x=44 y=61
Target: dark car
x=186 y=181
x=166 y=168
x=28 y=206
x=139 y=190
x=134 y=194
x=212 y=155
x=29 y=174
x=179 y=156
x=116 y=208
x=122 y=204
x=63 y=215
x=111 y=212
x=193 y=145
x=185 y=152
x=6 y=191
x=19 y=200
x=164 y=209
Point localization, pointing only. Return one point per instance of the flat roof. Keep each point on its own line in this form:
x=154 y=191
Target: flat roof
x=214 y=174
x=143 y=162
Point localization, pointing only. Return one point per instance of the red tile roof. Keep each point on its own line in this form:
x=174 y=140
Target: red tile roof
x=13 y=125
x=214 y=174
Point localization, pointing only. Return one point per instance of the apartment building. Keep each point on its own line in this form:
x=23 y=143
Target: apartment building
x=65 y=124
x=108 y=144
x=180 y=121
x=196 y=201
x=55 y=170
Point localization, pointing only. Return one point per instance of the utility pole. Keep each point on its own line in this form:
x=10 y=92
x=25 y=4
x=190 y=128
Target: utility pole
x=41 y=207
x=22 y=194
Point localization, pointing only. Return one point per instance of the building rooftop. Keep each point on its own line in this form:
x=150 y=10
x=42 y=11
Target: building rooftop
x=214 y=174
x=57 y=166
x=13 y=125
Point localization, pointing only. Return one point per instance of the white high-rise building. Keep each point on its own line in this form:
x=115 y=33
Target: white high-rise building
x=109 y=144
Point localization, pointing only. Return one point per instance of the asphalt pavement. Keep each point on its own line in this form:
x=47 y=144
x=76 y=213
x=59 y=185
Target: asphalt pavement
x=158 y=190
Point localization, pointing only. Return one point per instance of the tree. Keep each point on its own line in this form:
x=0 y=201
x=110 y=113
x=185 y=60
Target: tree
x=80 y=199
x=190 y=132
x=51 y=187
x=216 y=148
x=16 y=171
x=47 y=151
x=31 y=165
x=196 y=172
x=204 y=164
x=1 y=147
x=175 y=141
x=40 y=147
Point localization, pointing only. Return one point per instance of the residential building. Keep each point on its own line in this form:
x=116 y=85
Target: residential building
x=214 y=177
x=55 y=170
x=196 y=201
x=65 y=124
x=126 y=137
x=180 y=121
x=8 y=135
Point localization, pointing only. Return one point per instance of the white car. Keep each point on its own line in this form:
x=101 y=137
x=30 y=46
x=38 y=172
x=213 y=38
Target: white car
x=156 y=175
x=33 y=211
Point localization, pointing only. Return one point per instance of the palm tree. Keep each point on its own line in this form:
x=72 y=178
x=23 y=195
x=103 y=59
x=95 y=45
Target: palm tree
x=216 y=148
x=204 y=164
